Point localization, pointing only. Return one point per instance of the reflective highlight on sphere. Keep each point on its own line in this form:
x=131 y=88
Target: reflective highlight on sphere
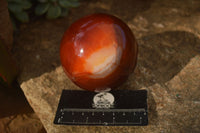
x=98 y=52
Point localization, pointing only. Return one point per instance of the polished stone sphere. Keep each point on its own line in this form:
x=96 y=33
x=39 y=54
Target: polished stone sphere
x=98 y=52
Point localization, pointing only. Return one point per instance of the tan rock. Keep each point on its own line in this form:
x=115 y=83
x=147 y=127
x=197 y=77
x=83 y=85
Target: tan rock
x=187 y=83
x=21 y=123
x=168 y=65
x=165 y=111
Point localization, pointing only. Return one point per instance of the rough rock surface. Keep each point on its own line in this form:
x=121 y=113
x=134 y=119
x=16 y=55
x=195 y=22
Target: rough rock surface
x=169 y=110
x=16 y=115
x=21 y=123
x=168 y=34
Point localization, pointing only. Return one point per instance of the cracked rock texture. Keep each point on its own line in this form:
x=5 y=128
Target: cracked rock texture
x=170 y=110
x=168 y=34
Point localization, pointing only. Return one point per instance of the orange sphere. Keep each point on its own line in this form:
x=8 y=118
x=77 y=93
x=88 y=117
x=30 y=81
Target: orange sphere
x=98 y=52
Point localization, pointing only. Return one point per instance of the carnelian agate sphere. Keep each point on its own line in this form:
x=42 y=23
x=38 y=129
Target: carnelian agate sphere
x=98 y=52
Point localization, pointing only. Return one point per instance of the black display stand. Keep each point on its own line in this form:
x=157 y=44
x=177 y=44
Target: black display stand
x=113 y=108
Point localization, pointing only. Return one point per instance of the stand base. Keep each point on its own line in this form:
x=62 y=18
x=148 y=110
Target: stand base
x=114 y=108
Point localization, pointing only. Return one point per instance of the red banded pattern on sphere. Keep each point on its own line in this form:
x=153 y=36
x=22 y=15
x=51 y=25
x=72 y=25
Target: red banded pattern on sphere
x=98 y=51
